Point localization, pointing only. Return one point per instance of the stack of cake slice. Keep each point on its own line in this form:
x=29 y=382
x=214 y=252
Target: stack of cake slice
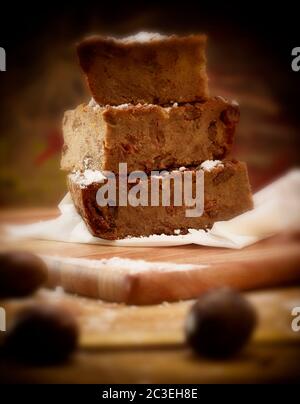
x=151 y=110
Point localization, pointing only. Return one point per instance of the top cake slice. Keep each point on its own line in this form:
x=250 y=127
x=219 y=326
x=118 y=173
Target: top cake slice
x=145 y=68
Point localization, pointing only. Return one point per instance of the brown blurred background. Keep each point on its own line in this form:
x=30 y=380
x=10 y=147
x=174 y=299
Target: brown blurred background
x=249 y=60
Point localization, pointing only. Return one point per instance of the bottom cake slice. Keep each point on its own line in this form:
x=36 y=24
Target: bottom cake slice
x=226 y=194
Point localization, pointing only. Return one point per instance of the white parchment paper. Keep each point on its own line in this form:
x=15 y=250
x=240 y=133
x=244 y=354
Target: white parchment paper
x=276 y=209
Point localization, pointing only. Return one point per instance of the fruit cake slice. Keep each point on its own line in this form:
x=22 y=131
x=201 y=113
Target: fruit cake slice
x=148 y=137
x=226 y=194
x=145 y=68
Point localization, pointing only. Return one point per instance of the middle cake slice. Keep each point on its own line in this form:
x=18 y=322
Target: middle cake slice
x=146 y=136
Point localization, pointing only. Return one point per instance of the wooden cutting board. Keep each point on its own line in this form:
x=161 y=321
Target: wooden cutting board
x=272 y=262
x=137 y=344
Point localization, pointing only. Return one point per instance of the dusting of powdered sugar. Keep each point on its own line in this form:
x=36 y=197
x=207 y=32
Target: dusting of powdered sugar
x=139 y=105
x=234 y=103
x=173 y=105
x=87 y=162
x=116 y=263
x=209 y=165
x=143 y=37
x=122 y=106
x=93 y=104
x=87 y=177
x=126 y=106
x=219 y=97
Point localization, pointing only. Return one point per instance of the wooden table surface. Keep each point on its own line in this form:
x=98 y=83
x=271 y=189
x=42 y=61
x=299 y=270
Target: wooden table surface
x=141 y=344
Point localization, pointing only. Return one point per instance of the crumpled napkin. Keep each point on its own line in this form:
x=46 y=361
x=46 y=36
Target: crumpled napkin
x=276 y=209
